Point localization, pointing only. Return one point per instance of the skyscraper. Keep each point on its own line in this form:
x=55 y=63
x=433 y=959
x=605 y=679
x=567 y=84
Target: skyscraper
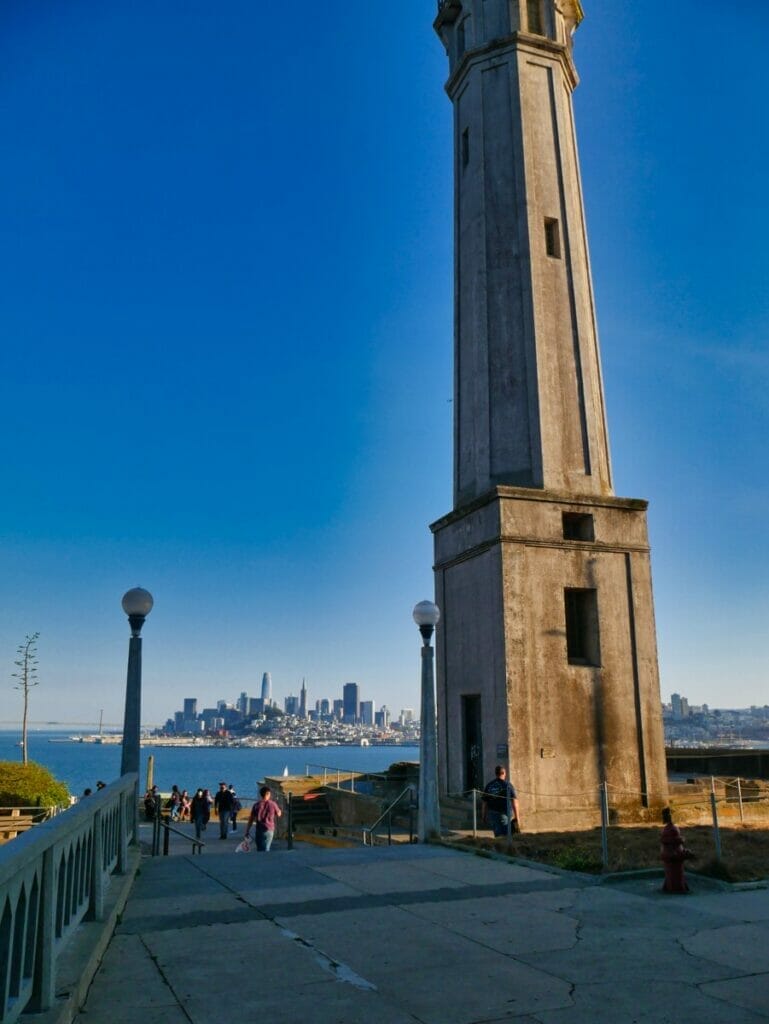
x=350 y=696
x=267 y=688
x=190 y=710
x=367 y=712
x=303 y=700
x=547 y=640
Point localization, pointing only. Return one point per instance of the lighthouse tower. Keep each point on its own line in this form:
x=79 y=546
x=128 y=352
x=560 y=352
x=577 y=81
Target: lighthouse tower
x=547 y=650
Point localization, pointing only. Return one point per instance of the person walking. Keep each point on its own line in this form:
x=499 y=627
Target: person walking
x=175 y=803
x=500 y=804
x=264 y=814
x=223 y=802
x=236 y=806
x=200 y=809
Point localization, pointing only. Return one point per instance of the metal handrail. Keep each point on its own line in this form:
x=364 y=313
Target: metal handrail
x=350 y=773
x=387 y=813
x=197 y=844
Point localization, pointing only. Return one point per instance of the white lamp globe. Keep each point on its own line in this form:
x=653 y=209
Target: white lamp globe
x=426 y=613
x=137 y=602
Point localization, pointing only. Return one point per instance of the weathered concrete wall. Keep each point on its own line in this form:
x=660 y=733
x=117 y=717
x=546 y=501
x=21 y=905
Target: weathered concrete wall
x=501 y=571
x=528 y=401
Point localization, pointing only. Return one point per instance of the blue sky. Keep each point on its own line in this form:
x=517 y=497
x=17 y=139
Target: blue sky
x=226 y=305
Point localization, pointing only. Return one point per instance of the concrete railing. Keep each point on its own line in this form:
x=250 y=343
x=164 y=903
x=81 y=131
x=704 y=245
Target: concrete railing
x=52 y=878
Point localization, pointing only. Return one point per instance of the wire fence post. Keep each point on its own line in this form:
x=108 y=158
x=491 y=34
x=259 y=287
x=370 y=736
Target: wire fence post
x=156 y=830
x=714 y=809
x=352 y=782
x=509 y=809
x=475 y=814
x=290 y=816
x=604 y=790
x=739 y=798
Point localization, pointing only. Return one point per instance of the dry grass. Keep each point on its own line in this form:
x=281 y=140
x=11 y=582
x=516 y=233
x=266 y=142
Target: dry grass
x=744 y=848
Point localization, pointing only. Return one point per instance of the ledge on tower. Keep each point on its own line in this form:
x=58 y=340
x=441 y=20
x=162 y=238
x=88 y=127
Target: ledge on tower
x=448 y=12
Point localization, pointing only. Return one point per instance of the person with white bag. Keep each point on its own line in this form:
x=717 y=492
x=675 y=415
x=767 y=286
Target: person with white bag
x=264 y=814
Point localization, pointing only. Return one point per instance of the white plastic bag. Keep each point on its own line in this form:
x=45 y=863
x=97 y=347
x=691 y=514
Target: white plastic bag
x=244 y=846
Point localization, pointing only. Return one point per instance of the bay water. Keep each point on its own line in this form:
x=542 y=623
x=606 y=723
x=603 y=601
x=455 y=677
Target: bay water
x=80 y=765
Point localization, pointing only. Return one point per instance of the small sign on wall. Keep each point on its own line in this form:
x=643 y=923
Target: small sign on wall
x=501 y=750
x=547 y=752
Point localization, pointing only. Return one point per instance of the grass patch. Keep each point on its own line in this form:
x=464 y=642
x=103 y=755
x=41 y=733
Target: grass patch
x=745 y=849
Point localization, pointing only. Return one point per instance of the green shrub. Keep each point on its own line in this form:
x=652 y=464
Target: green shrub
x=30 y=785
x=575 y=858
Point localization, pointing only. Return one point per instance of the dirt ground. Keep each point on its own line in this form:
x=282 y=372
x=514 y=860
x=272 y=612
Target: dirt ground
x=744 y=849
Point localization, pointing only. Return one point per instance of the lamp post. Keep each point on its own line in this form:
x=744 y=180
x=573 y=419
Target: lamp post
x=426 y=616
x=137 y=604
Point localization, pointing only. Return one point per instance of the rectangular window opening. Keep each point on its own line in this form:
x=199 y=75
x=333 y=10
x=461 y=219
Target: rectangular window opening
x=583 y=646
x=578 y=526
x=552 y=238
x=534 y=11
x=461 y=40
x=465 y=147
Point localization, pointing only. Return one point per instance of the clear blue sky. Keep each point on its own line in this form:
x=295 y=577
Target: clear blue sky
x=226 y=297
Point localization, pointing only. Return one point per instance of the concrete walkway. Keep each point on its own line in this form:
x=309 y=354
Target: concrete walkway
x=400 y=935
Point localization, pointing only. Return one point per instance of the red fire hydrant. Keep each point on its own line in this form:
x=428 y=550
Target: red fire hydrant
x=673 y=854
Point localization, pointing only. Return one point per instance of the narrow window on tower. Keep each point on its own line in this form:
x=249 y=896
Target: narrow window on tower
x=534 y=11
x=465 y=147
x=461 y=41
x=552 y=238
x=583 y=645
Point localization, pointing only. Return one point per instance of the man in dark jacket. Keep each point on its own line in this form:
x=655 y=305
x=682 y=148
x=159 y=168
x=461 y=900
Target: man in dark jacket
x=500 y=804
x=223 y=802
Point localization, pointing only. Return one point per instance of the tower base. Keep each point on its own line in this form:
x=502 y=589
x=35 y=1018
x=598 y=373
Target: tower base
x=547 y=656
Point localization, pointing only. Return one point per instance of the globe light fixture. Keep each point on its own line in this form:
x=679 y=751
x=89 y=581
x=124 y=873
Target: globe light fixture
x=137 y=604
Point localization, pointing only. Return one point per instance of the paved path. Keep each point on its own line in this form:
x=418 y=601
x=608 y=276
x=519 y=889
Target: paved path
x=403 y=935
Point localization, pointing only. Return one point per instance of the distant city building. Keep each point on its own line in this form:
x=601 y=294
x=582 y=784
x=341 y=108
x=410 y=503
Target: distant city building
x=351 y=698
x=303 y=700
x=243 y=703
x=255 y=706
x=267 y=688
x=675 y=703
x=338 y=709
x=367 y=712
x=178 y=721
x=407 y=716
x=291 y=705
x=325 y=707
x=385 y=712
x=190 y=707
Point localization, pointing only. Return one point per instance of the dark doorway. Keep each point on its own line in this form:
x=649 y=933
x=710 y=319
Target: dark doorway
x=472 y=743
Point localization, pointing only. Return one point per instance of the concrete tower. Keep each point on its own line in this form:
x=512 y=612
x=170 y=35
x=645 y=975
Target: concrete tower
x=547 y=649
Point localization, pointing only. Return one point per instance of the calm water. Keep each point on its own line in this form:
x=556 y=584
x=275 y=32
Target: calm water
x=81 y=764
